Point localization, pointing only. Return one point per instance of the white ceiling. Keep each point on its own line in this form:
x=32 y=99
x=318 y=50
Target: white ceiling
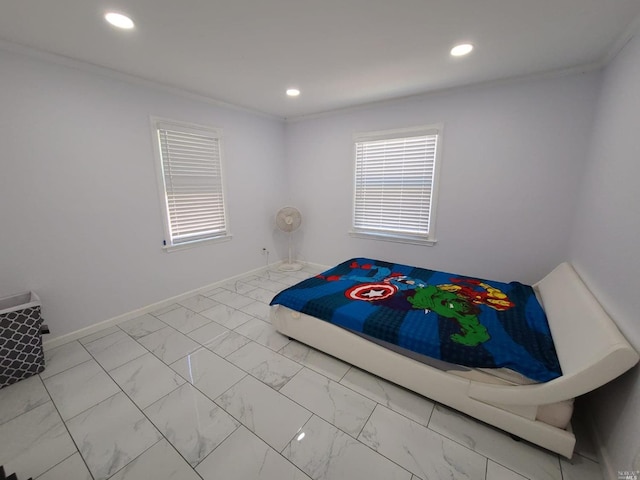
x=340 y=53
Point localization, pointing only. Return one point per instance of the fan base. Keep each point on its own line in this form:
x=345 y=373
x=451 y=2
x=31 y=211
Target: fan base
x=290 y=267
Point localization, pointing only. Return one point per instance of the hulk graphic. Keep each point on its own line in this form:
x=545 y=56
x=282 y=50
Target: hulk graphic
x=458 y=300
x=450 y=305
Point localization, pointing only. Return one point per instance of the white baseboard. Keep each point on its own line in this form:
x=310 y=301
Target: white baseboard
x=83 y=332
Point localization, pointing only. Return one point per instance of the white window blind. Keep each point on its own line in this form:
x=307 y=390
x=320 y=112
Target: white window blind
x=192 y=181
x=395 y=177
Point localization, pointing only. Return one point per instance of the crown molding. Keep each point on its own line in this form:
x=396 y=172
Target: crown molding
x=575 y=70
x=126 y=77
x=621 y=41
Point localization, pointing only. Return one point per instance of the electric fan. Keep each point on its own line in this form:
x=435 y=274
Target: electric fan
x=288 y=219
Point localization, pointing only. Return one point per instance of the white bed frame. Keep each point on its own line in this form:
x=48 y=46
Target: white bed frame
x=590 y=348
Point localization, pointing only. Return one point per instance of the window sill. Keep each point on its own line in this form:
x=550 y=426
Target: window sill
x=397 y=238
x=196 y=243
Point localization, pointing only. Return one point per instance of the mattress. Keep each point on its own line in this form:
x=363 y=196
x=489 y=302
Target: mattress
x=460 y=320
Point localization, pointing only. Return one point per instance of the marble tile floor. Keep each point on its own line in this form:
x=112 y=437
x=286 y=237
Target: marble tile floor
x=207 y=389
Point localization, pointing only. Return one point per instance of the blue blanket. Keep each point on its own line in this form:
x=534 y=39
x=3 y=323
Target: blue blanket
x=457 y=319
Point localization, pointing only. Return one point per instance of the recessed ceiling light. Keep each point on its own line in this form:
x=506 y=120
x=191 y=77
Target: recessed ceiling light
x=293 y=92
x=461 y=50
x=119 y=20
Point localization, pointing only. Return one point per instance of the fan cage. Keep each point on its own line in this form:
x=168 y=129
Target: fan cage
x=288 y=220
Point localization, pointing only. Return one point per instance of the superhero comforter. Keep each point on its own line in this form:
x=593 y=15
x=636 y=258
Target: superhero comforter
x=457 y=319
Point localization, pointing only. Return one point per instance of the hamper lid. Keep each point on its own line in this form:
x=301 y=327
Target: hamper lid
x=18 y=302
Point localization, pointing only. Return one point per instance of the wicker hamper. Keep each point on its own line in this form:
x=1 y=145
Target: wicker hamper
x=21 y=354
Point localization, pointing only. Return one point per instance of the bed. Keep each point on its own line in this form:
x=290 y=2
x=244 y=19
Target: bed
x=588 y=348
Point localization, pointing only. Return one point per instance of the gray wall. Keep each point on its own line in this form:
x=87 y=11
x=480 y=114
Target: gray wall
x=79 y=204
x=604 y=246
x=512 y=160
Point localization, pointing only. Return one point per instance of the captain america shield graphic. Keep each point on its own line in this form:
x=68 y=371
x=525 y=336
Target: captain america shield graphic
x=371 y=292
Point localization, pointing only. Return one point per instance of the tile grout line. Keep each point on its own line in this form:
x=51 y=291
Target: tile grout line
x=110 y=397
x=143 y=414
x=293 y=401
x=212 y=400
x=65 y=423
x=347 y=433
x=529 y=445
x=246 y=373
x=278 y=352
x=241 y=424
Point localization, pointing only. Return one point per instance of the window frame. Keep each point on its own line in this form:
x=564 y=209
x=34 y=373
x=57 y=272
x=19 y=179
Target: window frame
x=385 y=235
x=160 y=123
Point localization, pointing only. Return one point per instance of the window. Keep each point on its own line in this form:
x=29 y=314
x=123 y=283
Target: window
x=396 y=184
x=190 y=178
